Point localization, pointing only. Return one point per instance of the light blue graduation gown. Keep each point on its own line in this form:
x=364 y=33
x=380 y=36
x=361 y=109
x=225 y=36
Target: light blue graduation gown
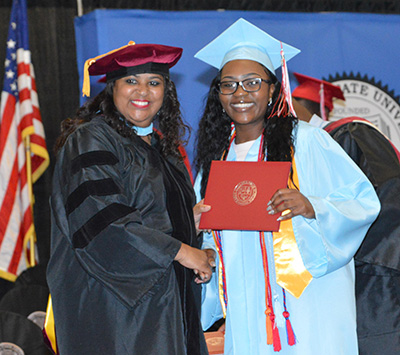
x=324 y=316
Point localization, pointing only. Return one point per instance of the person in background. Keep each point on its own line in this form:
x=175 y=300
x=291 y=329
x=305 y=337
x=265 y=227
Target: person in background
x=378 y=258
x=329 y=205
x=317 y=97
x=124 y=245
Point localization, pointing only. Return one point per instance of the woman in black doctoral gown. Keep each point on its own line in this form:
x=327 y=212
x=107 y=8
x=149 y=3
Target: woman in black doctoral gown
x=124 y=242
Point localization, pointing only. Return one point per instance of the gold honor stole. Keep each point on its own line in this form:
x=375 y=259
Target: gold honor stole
x=49 y=327
x=291 y=273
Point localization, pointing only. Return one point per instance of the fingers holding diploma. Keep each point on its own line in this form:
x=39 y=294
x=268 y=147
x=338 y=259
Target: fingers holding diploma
x=198 y=210
x=290 y=203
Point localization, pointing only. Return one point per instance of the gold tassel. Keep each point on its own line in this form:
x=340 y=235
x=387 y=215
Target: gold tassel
x=89 y=62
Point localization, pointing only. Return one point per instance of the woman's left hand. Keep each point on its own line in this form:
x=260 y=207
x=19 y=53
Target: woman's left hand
x=293 y=201
x=198 y=209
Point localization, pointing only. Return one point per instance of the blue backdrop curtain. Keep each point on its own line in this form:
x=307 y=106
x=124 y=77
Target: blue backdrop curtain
x=330 y=43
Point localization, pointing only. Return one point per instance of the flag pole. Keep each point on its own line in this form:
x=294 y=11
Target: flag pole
x=27 y=142
x=80 y=7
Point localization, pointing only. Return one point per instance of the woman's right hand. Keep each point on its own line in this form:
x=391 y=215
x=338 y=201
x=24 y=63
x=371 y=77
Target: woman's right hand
x=200 y=261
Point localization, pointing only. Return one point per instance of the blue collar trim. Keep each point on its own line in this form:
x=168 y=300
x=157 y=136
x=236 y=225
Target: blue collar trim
x=143 y=131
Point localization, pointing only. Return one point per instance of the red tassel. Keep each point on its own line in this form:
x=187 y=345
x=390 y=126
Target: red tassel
x=289 y=330
x=277 y=340
x=275 y=334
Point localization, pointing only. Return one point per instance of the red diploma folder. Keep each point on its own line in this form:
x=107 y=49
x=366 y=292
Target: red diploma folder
x=239 y=192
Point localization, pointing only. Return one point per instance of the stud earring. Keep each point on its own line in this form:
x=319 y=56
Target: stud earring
x=270 y=101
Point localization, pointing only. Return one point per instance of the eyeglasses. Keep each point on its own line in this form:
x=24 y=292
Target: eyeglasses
x=248 y=85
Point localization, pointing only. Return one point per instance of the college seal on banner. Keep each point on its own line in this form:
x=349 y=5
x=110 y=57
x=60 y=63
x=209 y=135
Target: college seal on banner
x=244 y=192
x=368 y=99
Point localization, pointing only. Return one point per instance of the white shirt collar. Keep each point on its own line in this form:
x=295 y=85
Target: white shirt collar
x=317 y=121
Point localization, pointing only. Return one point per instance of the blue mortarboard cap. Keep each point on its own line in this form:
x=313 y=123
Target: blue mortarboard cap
x=243 y=40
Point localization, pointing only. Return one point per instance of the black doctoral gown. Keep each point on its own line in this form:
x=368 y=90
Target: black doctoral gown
x=119 y=214
x=378 y=259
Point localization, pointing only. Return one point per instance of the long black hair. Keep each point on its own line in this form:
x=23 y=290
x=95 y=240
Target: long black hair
x=215 y=129
x=169 y=119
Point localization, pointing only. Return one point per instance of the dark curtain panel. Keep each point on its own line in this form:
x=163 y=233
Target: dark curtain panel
x=52 y=43
x=372 y=6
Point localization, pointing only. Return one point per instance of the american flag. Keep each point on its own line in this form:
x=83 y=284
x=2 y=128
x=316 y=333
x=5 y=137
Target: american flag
x=23 y=152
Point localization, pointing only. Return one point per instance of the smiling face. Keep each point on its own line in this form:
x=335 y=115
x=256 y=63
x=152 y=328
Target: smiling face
x=139 y=97
x=246 y=109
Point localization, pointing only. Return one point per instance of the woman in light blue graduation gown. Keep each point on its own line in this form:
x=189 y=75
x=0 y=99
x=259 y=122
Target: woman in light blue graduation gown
x=329 y=216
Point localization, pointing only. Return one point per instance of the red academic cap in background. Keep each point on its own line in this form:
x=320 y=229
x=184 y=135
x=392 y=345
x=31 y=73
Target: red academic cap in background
x=131 y=59
x=310 y=89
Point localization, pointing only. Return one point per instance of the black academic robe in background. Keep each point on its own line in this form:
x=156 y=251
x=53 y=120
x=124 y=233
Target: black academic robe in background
x=378 y=259
x=119 y=215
